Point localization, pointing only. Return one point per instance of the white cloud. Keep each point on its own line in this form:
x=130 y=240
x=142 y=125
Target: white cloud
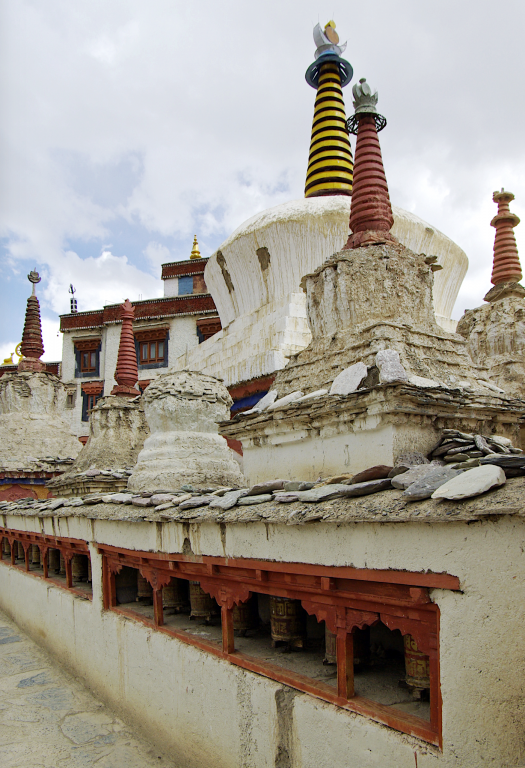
x=185 y=118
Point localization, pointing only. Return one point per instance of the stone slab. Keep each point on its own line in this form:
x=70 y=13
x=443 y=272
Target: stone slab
x=268 y=487
x=390 y=368
x=227 y=501
x=471 y=483
x=246 y=500
x=374 y=473
x=424 y=488
x=349 y=380
x=413 y=475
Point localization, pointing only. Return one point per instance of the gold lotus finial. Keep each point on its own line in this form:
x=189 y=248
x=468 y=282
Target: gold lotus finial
x=195 y=253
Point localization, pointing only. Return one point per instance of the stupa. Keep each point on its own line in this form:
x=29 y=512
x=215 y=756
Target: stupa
x=255 y=275
x=117 y=427
x=380 y=378
x=34 y=428
x=495 y=332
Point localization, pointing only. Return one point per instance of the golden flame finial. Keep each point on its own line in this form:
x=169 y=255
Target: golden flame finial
x=195 y=253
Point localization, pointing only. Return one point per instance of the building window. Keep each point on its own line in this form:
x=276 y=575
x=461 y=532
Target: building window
x=151 y=352
x=88 y=362
x=185 y=285
x=87 y=358
x=71 y=398
x=152 y=348
x=91 y=394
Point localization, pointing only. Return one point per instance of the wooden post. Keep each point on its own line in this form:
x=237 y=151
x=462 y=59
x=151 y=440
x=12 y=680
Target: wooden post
x=69 y=571
x=158 y=613
x=345 y=664
x=228 y=639
x=45 y=562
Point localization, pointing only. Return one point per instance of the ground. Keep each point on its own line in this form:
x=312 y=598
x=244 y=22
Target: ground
x=48 y=719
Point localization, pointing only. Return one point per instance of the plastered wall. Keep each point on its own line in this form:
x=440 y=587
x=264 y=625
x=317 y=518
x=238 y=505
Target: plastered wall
x=208 y=712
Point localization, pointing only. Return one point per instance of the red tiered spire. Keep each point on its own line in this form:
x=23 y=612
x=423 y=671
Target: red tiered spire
x=126 y=372
x=507 y=268
x=370 y=212
x=32 y=346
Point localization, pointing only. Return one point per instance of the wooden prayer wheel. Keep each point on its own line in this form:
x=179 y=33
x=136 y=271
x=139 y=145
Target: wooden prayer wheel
x=20 y=551
x=62 y=571
x=175 y=597
x=35 y=554
x=79 y=568
x=7 y=548
x=144 y=590
x=89 y=569
x=417 y=667
x=245 y=616
x=361 y=647
x=286 y=620
x=203 y=606
x=54 y=560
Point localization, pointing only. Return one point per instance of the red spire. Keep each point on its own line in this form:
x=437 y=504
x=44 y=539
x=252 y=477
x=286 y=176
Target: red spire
x=506 y=267
x=32 y=346
x=126 y=372
x=370 y=212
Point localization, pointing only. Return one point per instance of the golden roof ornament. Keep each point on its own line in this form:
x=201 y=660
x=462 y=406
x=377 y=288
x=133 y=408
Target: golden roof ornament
x=195 y=253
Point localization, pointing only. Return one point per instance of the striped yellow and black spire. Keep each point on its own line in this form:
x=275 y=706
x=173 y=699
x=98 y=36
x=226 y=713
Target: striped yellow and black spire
x=330 y=164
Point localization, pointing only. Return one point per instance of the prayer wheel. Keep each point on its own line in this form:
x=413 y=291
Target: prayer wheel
x=89 y=570
x=175 y=597
x=286 y=620
x=144 y=590
x=54 y=560
x=62 y=571
x=79 y=569
x=417 y=667
x=20 y=551
x=203 y=606
x=245 y=616
x=7 y=548
x=35 y=554
x=361 y=647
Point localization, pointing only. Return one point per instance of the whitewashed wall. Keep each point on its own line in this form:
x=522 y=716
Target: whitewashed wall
x=208 y=712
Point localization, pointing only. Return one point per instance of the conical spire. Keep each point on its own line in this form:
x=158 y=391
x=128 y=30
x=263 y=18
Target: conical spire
x=195 y=253
x=330 y=162
x=370 y=212
x=32 y=346
x=506 y=272
x=126 y=372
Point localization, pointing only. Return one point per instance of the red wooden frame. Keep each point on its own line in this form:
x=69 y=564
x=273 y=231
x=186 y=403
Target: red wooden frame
x=345 y=598
x=68 y=548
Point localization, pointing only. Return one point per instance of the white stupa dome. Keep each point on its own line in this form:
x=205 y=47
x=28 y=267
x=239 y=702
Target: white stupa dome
x=266 y=257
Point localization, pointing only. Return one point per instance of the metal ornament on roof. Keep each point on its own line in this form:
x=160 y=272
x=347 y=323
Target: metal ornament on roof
x=364 y=104
x=328 y=49
x=34 y=278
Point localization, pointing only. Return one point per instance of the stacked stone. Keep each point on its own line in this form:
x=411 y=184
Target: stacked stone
x=457 y=447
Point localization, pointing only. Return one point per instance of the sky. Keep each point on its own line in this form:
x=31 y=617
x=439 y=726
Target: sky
x=127 y=127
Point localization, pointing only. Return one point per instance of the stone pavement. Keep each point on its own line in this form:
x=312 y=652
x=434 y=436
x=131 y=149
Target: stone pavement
x=49 y=720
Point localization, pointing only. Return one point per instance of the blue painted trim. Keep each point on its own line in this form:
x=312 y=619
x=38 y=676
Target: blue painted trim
x=247 y=402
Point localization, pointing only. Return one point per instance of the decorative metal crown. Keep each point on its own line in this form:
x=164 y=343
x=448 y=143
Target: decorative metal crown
x=34 y=277
x=364 y=104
